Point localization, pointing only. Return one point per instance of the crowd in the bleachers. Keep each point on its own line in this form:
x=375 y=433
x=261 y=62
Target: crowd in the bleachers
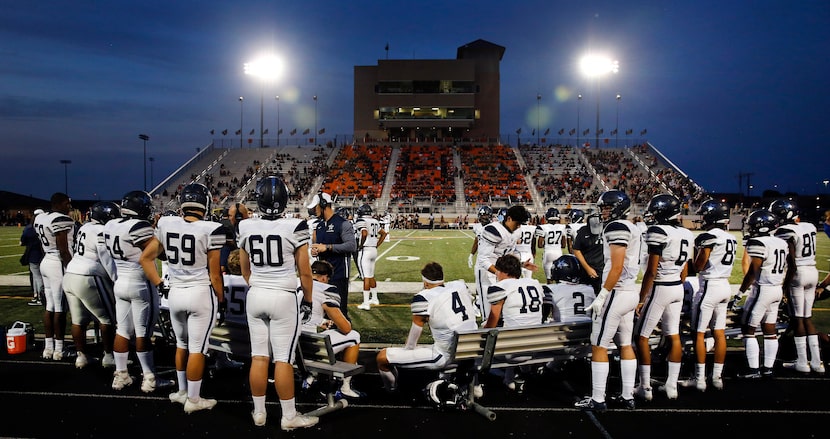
x=492 y=171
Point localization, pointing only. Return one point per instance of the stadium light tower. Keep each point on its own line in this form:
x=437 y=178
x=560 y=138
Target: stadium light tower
x=65 y=164
x=538 y=102
x=617 y=127
x=315 y=120
x=145 y=138
x=267 y=69
x=596 y=66
x=241 y=100
x=578 y=102
x=151 y=169
x=278 y=120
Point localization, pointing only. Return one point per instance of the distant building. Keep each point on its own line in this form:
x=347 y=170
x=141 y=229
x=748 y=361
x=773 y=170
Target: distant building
x=426 y=99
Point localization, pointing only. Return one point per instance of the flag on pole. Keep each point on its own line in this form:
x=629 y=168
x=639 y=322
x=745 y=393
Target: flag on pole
x=643 y=132
x=322 y=130
x=614 y=132
x=601 y=130
x=519 y=131
x=587 y=130
x=238 y=132
x=572 y=132
x=547 y=131
x=225 y=132
x=561 y=131
x=629 y=131
x=252 y=132
x=279 y=131
x=307 y=130
x=293 y=132
x=211 y=132
x=266 y=131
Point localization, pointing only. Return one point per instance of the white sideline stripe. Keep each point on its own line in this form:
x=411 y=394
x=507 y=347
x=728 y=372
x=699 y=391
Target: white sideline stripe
x=409 y=407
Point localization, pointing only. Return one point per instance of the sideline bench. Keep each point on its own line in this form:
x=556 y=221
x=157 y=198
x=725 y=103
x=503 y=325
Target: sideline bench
x=315 y=356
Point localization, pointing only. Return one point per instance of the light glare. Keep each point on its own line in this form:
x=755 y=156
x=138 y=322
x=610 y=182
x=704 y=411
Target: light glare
x=595 y=65
x=268 y=67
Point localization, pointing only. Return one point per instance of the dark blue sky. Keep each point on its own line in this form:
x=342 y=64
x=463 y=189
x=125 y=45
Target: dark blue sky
x=722 y=87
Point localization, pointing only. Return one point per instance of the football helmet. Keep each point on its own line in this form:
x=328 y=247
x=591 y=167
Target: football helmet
x=195 y=196
x=502 y=213
x=713 y=212
x=761 y=223
x=618 y=201
x=137 y=204
x=364 y=210
x=443 y=394
x=567 y=268
x=485 y=214
x=271 y=196
x=576 y=216
x=104 y=211
x=552 y=214
x=664 y=208
x=785 y=210
x=343 y=212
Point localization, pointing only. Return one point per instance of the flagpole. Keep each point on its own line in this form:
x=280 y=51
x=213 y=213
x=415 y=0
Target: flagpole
x=240 y=121
x=278 y=120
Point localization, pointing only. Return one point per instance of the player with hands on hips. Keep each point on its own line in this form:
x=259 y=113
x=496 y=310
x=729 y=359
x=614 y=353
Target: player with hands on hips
x=327 y=318
x=370 y=235
x=191 y=245
x=661 y=293
x=273 y=304
x=764 y=281
x=613 y=309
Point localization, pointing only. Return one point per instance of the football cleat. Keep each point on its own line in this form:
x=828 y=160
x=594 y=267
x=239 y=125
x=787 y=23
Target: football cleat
x=81 y=361
x=151 y=383
x=259 y=418
x=348 y=393
x=121 y=379
x=478 y=390
x=694 y=382
x=751 y=374
x=108 y=360
x=589 y=405
x=299 y=421
x=179 y=397
x=627 y=404
x=374 y=301
x=364 y=306
x=47 y=353
x=717 y=383
x=798 y=367
x=671 y=390
x=644 y=393
x=191 y=406
x=817 y=368
x=766 y=372
x=57 y=355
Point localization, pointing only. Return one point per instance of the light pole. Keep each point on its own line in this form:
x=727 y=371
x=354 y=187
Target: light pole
x=595 y=66
x=151 y=169
x=241 y=100
x=266 y=69
x=538 y=102
x=315 y=120
x=278 y=120
x=145 y=138
x=65 y=164
x=578 y=102
x=617 y=128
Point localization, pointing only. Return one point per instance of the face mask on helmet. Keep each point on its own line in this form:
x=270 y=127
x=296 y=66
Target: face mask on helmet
x=595 y=223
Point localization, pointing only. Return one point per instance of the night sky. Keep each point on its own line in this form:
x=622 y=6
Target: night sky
x=722 y=88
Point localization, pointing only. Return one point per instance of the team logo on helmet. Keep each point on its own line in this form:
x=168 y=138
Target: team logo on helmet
x=761 y=223
x=785 y=210
x=713 y=212
x=664 y=208
x=103 y=211
x=576 y=215
x=618 y=201
x=195 y=196
x=137 y=204
x=568 y=269
x=271 y=196
x=552 y=214
x=364 y=210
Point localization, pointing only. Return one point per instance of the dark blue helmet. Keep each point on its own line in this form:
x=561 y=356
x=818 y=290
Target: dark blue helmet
x=761 y=223
x=104 y=211
x=271 y=196
x=785 y=210
x=195 y=196
x=618 y=201
x=664 y=208
x=364 y=210
x=552 y=214
x=485 y=214
x=567 y=268
x=137 y=204
x=713 y=212
x=576 y=216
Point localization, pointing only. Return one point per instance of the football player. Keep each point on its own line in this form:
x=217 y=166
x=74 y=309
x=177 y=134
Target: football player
x=136 y=300
x=191 y=246
x=801 y=280
x=88 y=283
x=526 y=246
x=715 y=250
x=613 y=309
x=576 y=220
x=570 y=296
x=447 y=308
x=514 y=301
x=661 y=293
x=498 y=239
x=765 y=278
x=327 y=317
x=482 y=278
x=274 y=307
x=370 y=236
x=551 y=236
x=56 y=231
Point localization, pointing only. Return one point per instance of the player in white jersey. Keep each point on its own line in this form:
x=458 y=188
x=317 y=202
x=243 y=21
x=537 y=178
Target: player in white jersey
x=56 y=231
x=273 y=250
x=136 y=299
x=370 y=236
x=765 y=278
x=571 y=295
x=551 y=237
x=386 y=224
x=715 y=252
x=498 y=239
x=482 y=277
x=661 y=293
x=576 y=220
x=327 y=318
x=191 y=246
x=526 y=246
x=800 y=283
x=88 y=283
x=447 y=308
x=613 y=309
x=514 y=301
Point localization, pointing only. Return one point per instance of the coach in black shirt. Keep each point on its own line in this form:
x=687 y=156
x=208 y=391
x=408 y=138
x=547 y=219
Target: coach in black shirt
x=587 y=248
x=333 y=241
